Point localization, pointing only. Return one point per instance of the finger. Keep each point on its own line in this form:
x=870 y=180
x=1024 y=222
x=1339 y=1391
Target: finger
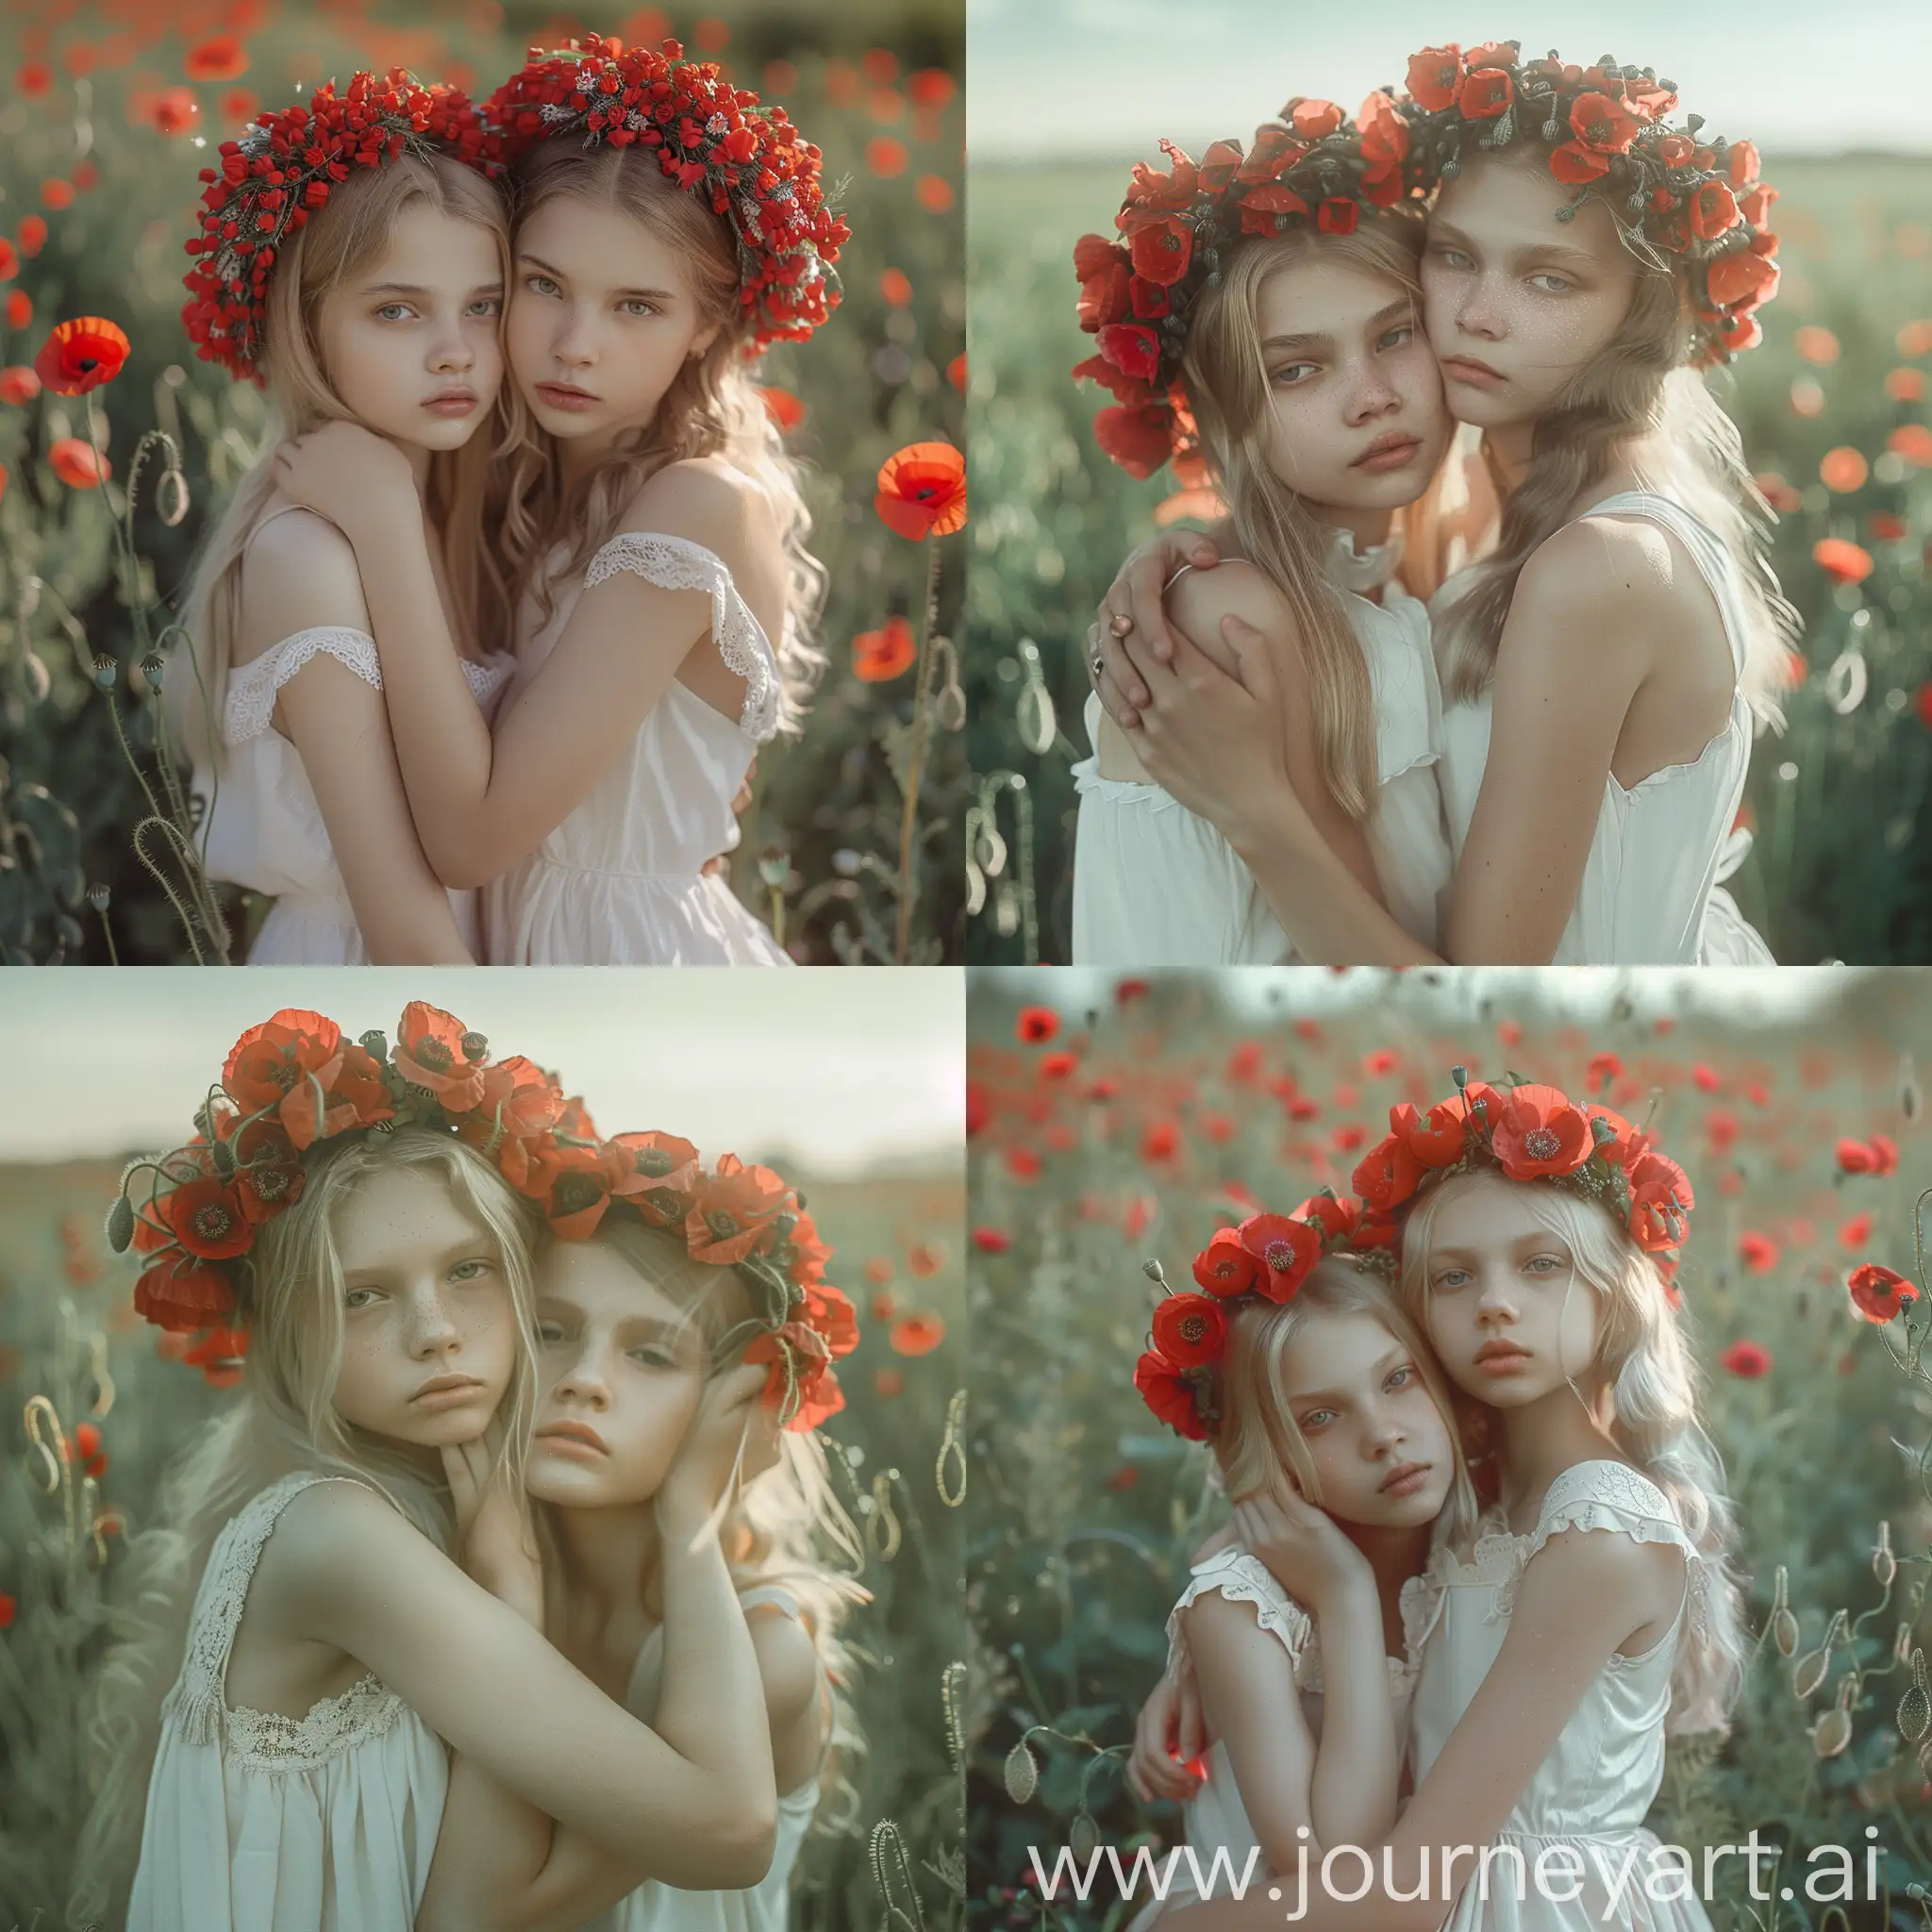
x=1193 y=1733
x=1105 y=649
x=1147 y=579
x=1113 y=701
x=1253 y=658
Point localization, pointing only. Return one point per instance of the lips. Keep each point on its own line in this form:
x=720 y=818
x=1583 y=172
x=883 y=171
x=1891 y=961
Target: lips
x=1467 y=369
x=453 y=401
x=1404 y=1477
x=446 y=1388
x=1500 y=1354
x=562 y=396
x=581 y=1432
x=1388 y=452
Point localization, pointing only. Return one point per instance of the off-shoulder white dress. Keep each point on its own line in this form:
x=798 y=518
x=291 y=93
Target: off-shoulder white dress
x=1585 y=1805
x=1156 y=885
x=621 y=882
x=259 y=1822
x=262 y=827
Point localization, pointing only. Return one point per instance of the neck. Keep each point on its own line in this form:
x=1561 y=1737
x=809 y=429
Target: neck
x=1395 y=1555
x=611 y=1558
x=1509 y=448
x=1543 y=1438
x=1369 y=527
x=579 y=454
x=419 y=463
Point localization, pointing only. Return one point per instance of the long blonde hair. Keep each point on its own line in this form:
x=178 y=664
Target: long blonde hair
x=1226 y=379
x=1639 y=385
x=712 y=407
x=346 y=234
x=1642 y=1389
x=1258 y=1443
x=283 y=1418
x=786 y=1526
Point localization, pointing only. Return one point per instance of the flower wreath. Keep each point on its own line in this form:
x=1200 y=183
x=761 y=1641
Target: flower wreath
x=1697 y=199
x=1528 y=1131
x=747 y=162
x=293 y=1083
x=1310 y=165
x=282 y=169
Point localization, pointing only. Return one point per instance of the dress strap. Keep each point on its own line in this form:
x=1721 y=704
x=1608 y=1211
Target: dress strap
x=1242 y=1578
x=198 y=1698
x=1713 y=561
x=675 y=563
x=250 y=704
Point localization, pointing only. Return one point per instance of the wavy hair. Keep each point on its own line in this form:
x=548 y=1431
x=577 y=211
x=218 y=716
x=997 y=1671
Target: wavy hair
x=1642 y=1389
x=712 y=407
x=341 y=239
x=1639 y=386
x=282 y=1419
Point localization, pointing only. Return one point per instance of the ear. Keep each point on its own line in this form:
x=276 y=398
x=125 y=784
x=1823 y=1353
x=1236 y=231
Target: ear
x=701 y=342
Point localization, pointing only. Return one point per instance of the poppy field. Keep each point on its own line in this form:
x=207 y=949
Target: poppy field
x=1102 y=1135
x=95 y=1411
x=107 y=482
x=1833 y=411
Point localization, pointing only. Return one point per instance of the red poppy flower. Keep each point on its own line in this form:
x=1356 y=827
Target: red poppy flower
x=1746 y=1360
x=218 y=1355
x=1878 y=1293
x=1884 y=1154
x=1757 y=1252
x=1661 y=1197
x=1538 y=1131
x=1603 y=125
x=1387 y=1174
x=1170 y=1394
x=10 y=260
x=1286 y=1249
x=1713 y=210
x=31 y=234
x=1189 y=1330
x=1573 y=164
x=733 y=1212
x=19 y=385
x=182 y=1294
x=1162 y=250
x=270 y=1059
x=659 y=1174
x=1624 y=1142
x=1336 y=216
x=435 y=1049
x=782 y=406
x=1139 y=436
x=521 y=1098
x=207 y=1219
x=1841 y=560
x=221 y=57
x=1485 y=93
x=1036 y=1025
x=1312 y=120
x=991 y=1240
x=265 y=1189
x=1440 y=1137
x=78 y=465
x=808 y=1374
x=1434 y=75
x=931 y=87
x=1741 y=277
x=1132 y=349
x=921 y=491
x=1740 y=160
x=1854 y=1157
x=1334 y=1216
x=572 y=1184
x=917 y=1333
x=1105 y=294
x=1225 y=1266
x=879 y=655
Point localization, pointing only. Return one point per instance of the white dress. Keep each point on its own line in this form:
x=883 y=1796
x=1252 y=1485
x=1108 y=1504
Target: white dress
x=258 y=1822
x=1217 y=1820
x=655 y=1907
x=621 y=881
x=1156 y=885
x=262 y=826
x=1652 y=891
x=1593 y=1789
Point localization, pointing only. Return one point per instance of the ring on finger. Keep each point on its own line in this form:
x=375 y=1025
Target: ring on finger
x=1119 y=624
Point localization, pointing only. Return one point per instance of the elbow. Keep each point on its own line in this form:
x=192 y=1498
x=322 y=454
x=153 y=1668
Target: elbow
x=739 y=1855
x=463 y=867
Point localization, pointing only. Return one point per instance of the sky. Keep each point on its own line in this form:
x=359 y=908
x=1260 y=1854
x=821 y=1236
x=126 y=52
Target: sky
x=1108 y=77
x=833 y=1070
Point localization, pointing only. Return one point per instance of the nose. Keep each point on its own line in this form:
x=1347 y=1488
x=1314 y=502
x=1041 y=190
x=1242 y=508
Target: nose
x=1384 y=1433
x=1497 y=1303
x=1480 y=312
x=571 y=344
x=433 y=1330
x=584 y=1382
x=1373 y=395
x=453 y=354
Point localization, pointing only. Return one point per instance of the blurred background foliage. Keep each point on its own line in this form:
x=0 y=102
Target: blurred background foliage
x=1107 y=1117
x=102 y=133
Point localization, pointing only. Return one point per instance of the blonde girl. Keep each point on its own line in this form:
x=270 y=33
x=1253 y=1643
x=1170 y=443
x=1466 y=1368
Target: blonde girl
x=381 y=307
x=653 y=529
x=1315 y=408
x=1311 y=1382
x=1605 y=666
x=320 y=1646
x=629 y=1325
x=1593 y=1611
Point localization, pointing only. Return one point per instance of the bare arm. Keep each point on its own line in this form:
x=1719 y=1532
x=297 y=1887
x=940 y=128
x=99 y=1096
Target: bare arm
x=301 y=576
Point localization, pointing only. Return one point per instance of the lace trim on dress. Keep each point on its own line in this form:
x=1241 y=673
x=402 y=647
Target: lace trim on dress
x=674 y=563
x=254 y=687
x=1245 y=1579
x=198 y=1701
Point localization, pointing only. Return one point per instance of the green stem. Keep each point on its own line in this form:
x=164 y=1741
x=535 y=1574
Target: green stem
x=915 y=763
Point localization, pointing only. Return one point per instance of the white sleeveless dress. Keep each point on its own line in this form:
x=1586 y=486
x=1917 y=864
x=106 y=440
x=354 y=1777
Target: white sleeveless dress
x=655 y=1907
x=1156 y=885
x=259 y=1822
x=621 y=881
x=1593 y=1789
x=262 y=826
x=1652 y=891
x=1217 y=1820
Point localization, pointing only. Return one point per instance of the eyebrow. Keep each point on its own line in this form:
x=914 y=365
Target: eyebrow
x=557 y=274
x=1538 y=251
x=473 y=1247
x=1389 y=1359
x=493 y=287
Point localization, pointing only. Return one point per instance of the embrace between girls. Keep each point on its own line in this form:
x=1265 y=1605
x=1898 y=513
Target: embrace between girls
x=1485 y=696
x=478 y=662
x=506 y=1591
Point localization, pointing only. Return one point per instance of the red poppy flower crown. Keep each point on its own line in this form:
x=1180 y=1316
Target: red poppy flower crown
x=746 y=162
x=1693 y=198
x=280 y=171
x=1311 y=164
x=293 y=1083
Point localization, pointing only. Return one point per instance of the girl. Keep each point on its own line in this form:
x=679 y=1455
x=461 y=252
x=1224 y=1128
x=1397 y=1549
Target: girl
x=1593 y=1611
x=374 y=297
x=654 y=530
x=295 y=1774
x=1320 y=416
x=630 y=1324
x=1329 y=1394
x=1604 y=665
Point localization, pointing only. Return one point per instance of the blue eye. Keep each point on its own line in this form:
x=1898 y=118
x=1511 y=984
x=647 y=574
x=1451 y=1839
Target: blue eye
x=540 y=285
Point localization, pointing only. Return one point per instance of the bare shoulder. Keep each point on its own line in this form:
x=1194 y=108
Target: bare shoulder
x=1602 y=581
x=1199 y=599
x=298 y=572
x=331 y=1529
x=1216 y=1618
x=1607 y=1567
x=708 y=501
x=788 y=1661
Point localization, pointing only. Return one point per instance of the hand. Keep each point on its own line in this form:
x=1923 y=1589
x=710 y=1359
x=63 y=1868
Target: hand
x=496 y=1539
x=727 y=1422
x=348 y=475
x=1305 y=1550
x=1133 y=606
x=1168 y=1734
x=1226 y=1538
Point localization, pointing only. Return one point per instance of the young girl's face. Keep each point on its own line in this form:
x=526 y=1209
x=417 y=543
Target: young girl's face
x=601 y=317
x=429 y=1331
x=412 y=344
x=623 y=1369
x=1519 y=303
x=1381 y=1446
x=1506 y=1313
x=1358 y=415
